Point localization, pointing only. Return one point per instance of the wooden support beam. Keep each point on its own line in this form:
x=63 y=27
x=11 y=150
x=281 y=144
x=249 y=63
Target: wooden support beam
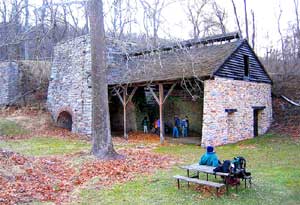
x=161 y=102
x=153 y=93
x=161 y=99
x=169 y=92
x=124 y=100
x=124 y=112
x=131 y=95
x=119 y=96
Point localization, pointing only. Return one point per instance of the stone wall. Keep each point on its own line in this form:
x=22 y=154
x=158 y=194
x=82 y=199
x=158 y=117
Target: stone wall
x=34 y=81
x=220 y=127
x=70 y=81
x=70 y=88
x=9 y=82
x=184 y=106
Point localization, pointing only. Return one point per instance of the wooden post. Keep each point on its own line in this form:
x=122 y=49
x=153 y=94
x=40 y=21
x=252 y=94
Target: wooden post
x=124 y=102
x=161 y=101
x=124 y=112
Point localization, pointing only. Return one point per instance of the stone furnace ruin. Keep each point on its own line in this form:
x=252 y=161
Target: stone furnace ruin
x=218 y=82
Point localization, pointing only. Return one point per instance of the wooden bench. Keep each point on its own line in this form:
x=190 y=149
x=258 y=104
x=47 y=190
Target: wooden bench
x=198 y=181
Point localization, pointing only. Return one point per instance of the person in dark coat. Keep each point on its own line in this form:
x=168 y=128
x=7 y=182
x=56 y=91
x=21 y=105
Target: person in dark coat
x=145 y=124
x=188 y=125
x=175 y=132
x=177 y=121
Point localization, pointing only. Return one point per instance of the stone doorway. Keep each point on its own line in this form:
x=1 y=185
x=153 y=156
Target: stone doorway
x=64 y=120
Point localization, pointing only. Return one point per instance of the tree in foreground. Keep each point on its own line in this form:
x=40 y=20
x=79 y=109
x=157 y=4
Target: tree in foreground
x=102 y=141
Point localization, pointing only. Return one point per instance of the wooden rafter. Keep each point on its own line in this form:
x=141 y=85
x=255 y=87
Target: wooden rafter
x=153 y=94
x=119 y=96
x=169 y=92
x=131 y=95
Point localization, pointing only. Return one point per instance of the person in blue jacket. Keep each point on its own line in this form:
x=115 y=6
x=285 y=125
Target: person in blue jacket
x=210 y=158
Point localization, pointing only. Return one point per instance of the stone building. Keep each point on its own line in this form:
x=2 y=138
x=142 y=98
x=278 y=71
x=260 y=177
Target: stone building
x=24 y=82
x=218 y=82
x=9 y=82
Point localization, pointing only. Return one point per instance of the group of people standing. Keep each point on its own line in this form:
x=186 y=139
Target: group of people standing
x=145 y=124
x=181 y=126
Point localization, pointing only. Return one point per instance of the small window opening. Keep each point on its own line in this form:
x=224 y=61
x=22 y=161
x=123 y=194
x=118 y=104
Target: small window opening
x=246 y=65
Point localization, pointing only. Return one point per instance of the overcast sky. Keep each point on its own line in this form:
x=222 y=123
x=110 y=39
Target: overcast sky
x=266 y=14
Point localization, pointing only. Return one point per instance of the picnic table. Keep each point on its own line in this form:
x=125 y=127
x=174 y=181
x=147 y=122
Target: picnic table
x=208 y=170
x=204 y=169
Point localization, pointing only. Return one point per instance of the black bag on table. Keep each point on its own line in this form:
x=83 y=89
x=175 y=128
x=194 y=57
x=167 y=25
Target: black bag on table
x=225 y=167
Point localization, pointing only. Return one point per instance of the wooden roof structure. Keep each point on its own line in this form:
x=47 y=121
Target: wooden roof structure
x=219 y=55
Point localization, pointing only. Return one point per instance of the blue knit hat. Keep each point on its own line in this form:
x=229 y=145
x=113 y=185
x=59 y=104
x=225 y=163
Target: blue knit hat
x=209 y=149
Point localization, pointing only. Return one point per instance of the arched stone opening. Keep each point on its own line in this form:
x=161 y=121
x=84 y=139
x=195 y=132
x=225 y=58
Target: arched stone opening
x=64 y=120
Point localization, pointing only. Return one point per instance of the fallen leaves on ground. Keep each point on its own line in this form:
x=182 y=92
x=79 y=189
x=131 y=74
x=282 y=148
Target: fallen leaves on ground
x=40 y=179
x=38 y=122
x=140 y=137
x=135 y=162
x=287 y=118
x=207 y=191
x=53 y=178
x=289 y=129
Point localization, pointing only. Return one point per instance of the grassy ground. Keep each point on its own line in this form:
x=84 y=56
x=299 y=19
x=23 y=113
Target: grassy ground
x=273 y=160
x=42 y=146
x=11 y=128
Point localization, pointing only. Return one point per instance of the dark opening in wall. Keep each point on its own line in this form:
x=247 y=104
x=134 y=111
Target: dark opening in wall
x=257 y=115
x=246 y=66
x=64 y=120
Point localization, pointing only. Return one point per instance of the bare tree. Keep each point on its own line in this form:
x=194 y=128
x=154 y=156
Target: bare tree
x=121 y=17
x=220 y=15
x=26 y=27
x=86 y=18
x=117 y=19
x=236 y=16
x=102 y=140
x=253 y=29
x=53 y=22
x=3 y=11
x=152 y=17
x=296 y=3
x=297 y=36
x=246 y=20
x=195 y=13
x=281 y=35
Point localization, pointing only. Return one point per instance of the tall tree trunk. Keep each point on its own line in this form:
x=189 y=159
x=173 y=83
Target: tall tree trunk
x=253 y=29
x=282 y=43
x=86 y=18
x=236 y=17
x=26 y=27
x=246 y=20
x=297 y=27
x=102 y=141
x=297 y=15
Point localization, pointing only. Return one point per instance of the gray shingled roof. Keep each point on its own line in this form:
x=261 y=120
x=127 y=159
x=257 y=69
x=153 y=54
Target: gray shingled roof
x=196 y=61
